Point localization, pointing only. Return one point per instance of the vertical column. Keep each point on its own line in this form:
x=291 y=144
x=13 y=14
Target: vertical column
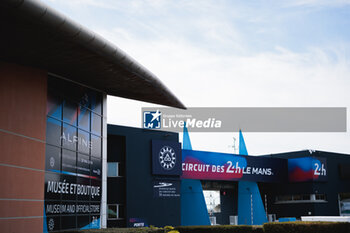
x=104 y=165
x=22 y=145
x=193 y=208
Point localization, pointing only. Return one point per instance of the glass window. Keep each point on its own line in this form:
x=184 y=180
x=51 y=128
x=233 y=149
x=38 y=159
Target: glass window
x=53 y=158
x=297 y=197
x=112 y=169
x=67 y=196
x=69 y=137
x=284 y=198
x=84 y=143
x=95 y=208
x=53 y=131
x=96 y=103
x=305 y=198
x=84 y=99
x=320 y=197
x=83 y=181
x=52 y=177
x=96 y=146
x=69 y=161
x=70 y=156
x=344 y=203
x=84 y=118
x=344 y=196
x=115 y=211
x=96 y=183
x=112 y=211
x=54 y=106
x=70 y=112
x=83 y=164
x=96 y=124
x=96 y=167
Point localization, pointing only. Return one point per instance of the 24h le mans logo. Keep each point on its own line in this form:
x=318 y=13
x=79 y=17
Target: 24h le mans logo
x=167 y=157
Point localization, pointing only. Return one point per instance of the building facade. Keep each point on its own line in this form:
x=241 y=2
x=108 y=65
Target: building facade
x=305 y=196
x=135 y=193
x=52 y=151
x=294 y=184
x=55 y=76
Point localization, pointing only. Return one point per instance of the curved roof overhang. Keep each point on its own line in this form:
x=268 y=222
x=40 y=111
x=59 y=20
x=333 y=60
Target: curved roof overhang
x=36 y=35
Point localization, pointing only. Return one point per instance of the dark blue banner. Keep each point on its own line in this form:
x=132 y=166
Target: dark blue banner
x=166 y=158
x=220 y=166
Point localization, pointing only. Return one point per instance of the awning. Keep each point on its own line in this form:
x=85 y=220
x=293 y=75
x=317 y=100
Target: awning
x=36 y=35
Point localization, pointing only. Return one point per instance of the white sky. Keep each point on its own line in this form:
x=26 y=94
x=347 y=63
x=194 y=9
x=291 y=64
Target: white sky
x=232 y=54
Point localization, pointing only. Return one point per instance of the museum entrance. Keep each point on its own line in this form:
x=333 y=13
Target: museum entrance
x=221 y=200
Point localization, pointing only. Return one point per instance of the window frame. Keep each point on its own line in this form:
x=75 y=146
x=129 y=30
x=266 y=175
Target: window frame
x=117 y=170
x=299 y=198
x=117 y=206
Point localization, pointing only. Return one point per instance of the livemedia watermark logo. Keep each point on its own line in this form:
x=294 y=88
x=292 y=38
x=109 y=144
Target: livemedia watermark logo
x=269 y=119
x=152 y=119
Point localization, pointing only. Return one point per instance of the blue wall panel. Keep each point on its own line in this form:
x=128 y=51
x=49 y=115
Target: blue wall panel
x=193 y=208
x=250 y=206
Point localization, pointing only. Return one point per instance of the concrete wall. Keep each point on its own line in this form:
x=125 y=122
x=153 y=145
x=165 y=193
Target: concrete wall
x=22 y=147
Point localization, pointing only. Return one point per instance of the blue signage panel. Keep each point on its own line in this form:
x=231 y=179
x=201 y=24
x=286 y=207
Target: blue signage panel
x=166 y=158
x=307 y=169
x=220 y=166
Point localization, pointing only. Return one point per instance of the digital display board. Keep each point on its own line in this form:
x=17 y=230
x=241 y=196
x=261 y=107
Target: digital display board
x=73 y=161
x=204 y=165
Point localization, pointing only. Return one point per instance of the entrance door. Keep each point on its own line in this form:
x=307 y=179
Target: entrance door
x=221 y=200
